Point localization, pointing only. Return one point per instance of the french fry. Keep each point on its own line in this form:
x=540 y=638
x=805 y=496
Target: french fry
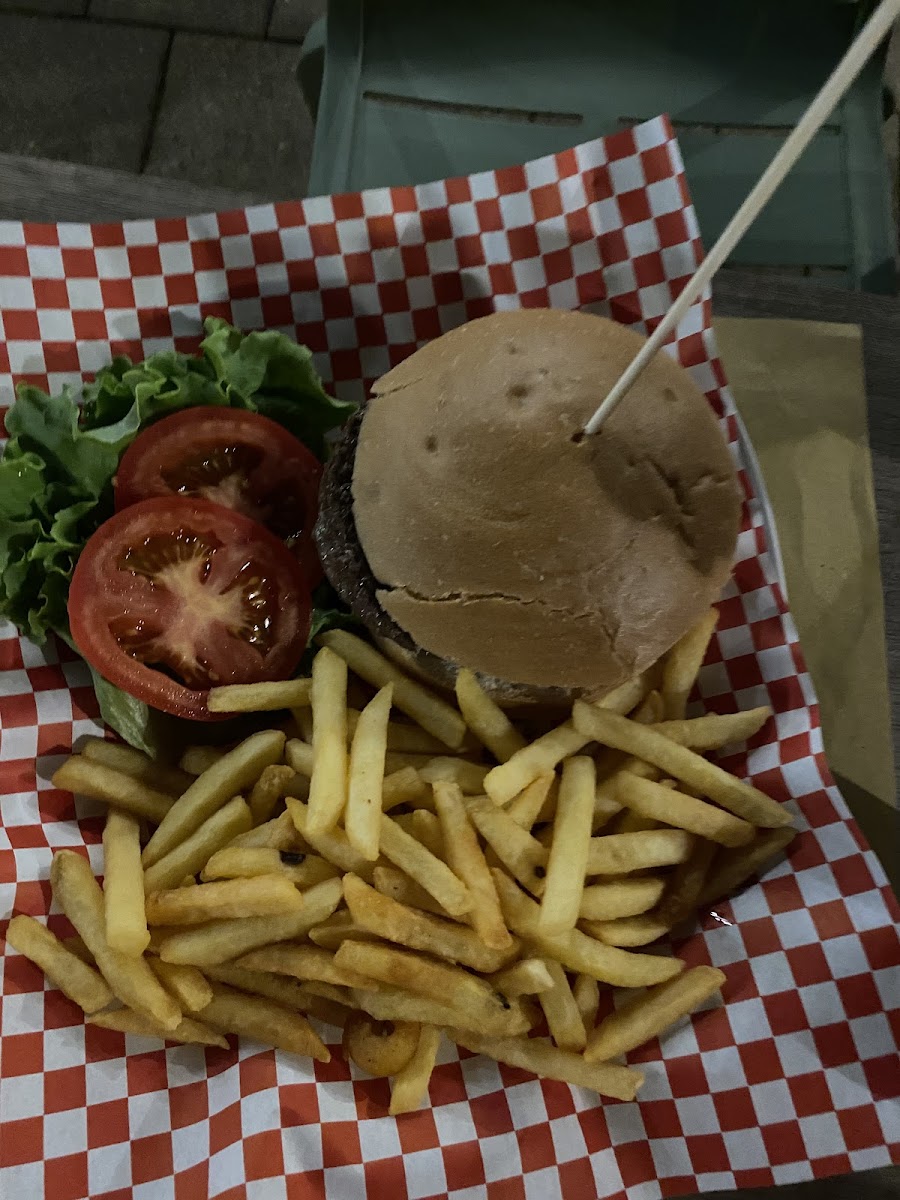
x=714 y=730
x=528 y=805
x=132 y=762
x=100 y=782
x=123 y=885
x=527 y=977
x=540 y=757
x=468 y=776
x=466 y=859
x=390 y=881
x=650 y=1014
x=650 y=710
x=425 y=977
x=259 y=697
x=683 y=662
x=66 y=970
x=401 y=739
x=277 y=834
x=620 y=853
x=304 y=723
x=620 y=898
x=75 y=945
x=394 y=922
x=189 y=856
x=738 y=797
x=434 y=715
x=301 y=962
x=188 y=985
x=261 y=896
x=299 y=755
x=731 y=868
x=632 y=822
x=578 y=952
x=487 y=720
x=522 y=855
x=328 y=784
x=653 y=800
x=335 y=929
x=236 y=770
x=271 y=787
x=280 y=988
x=627 y=931
x=681 y=898
x=334 y=845
x=409 y=1086
x=606 y=806
x=628 y=695
x=425 y=828
x=549 y=1062
x=405 y=786
x=433 y=875
x=218 y=942
x=130 y=979
x=396 y=1004
x=569 y=849
x=302 y=870
x=587 y=996
x=128 y=1020
x=263 y=1021
x=563 y=1015
x=197 y=759
x=362 y=820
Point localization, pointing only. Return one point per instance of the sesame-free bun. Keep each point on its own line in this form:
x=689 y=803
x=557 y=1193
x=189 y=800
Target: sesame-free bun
x=498 y=540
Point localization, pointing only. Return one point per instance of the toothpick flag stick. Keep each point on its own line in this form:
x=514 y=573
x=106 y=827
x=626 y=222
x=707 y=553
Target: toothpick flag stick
x=858 y=54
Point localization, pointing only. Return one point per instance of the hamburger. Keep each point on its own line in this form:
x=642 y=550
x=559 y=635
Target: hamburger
x=466 y=521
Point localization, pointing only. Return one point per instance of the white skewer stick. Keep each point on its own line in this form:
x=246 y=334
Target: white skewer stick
x=858 y=54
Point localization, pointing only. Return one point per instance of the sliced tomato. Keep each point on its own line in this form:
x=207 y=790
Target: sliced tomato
x=173 y=596
x=234 y=458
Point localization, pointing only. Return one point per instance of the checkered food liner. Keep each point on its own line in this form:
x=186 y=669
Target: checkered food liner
x=796 y=1075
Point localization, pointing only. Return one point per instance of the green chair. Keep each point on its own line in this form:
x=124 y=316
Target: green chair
x=404 y=92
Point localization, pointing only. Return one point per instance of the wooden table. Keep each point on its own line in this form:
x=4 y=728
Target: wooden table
x=42 y=191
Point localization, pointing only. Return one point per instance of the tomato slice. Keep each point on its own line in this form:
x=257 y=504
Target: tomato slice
x=173 y=596
x=234 y=458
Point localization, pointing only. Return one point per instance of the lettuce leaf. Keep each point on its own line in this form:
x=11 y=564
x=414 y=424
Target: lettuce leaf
x=57 y=468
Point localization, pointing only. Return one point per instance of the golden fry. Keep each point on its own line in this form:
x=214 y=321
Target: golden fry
x=334 y=845
x=681 y=898
x=434 y=715
x=578 y=952
x=234 y=771
x=396 y=1004
x=619 y=853
x=628 y=931
x=328 y=785
x=620 y=898
x=433 y=875
x=653 y=800
x=127 y=1020
x=390 y=881
x=466 y=859
x=130 y=979
x=217 y=942
x=123 y=884
x=280 y=988
x=100 y=782
x=549 y=1062
x=189 y=856
x=340 y=925
x=538 y=758
x=563 y=1015
x=362 y=820
x=261 y=896
x=394 y=922
x=155 y=775
x=302 y=870
x=487 y=720
x=527 y=977
x=67 y=971
x=680 y=763
x=277 y=834
x=587 y=996
x=301 y=962
x=197 y=759
x=271 y=787
x=263 y=1021
x=405 y=786
x=714 y=730
x=425 y=828
x=683 y=663
x=648 y=1015
x=522 y=855
x=529 y=804
x=259 y=697
x=468 y=776
x=570 y=846
x=410 y=1085
x=187 y=984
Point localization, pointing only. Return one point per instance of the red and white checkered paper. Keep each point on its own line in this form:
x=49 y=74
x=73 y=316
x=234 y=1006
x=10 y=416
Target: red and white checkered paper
x=795 y=1076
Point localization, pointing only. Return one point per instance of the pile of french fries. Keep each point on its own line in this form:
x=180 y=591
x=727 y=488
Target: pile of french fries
x=405 y=869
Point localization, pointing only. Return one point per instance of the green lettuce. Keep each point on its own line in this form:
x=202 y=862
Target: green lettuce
x=57 y=469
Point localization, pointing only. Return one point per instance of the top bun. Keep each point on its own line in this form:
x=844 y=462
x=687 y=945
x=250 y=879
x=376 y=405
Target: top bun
x=502 y=542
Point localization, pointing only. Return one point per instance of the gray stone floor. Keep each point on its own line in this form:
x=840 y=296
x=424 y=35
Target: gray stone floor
x=197 y=90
